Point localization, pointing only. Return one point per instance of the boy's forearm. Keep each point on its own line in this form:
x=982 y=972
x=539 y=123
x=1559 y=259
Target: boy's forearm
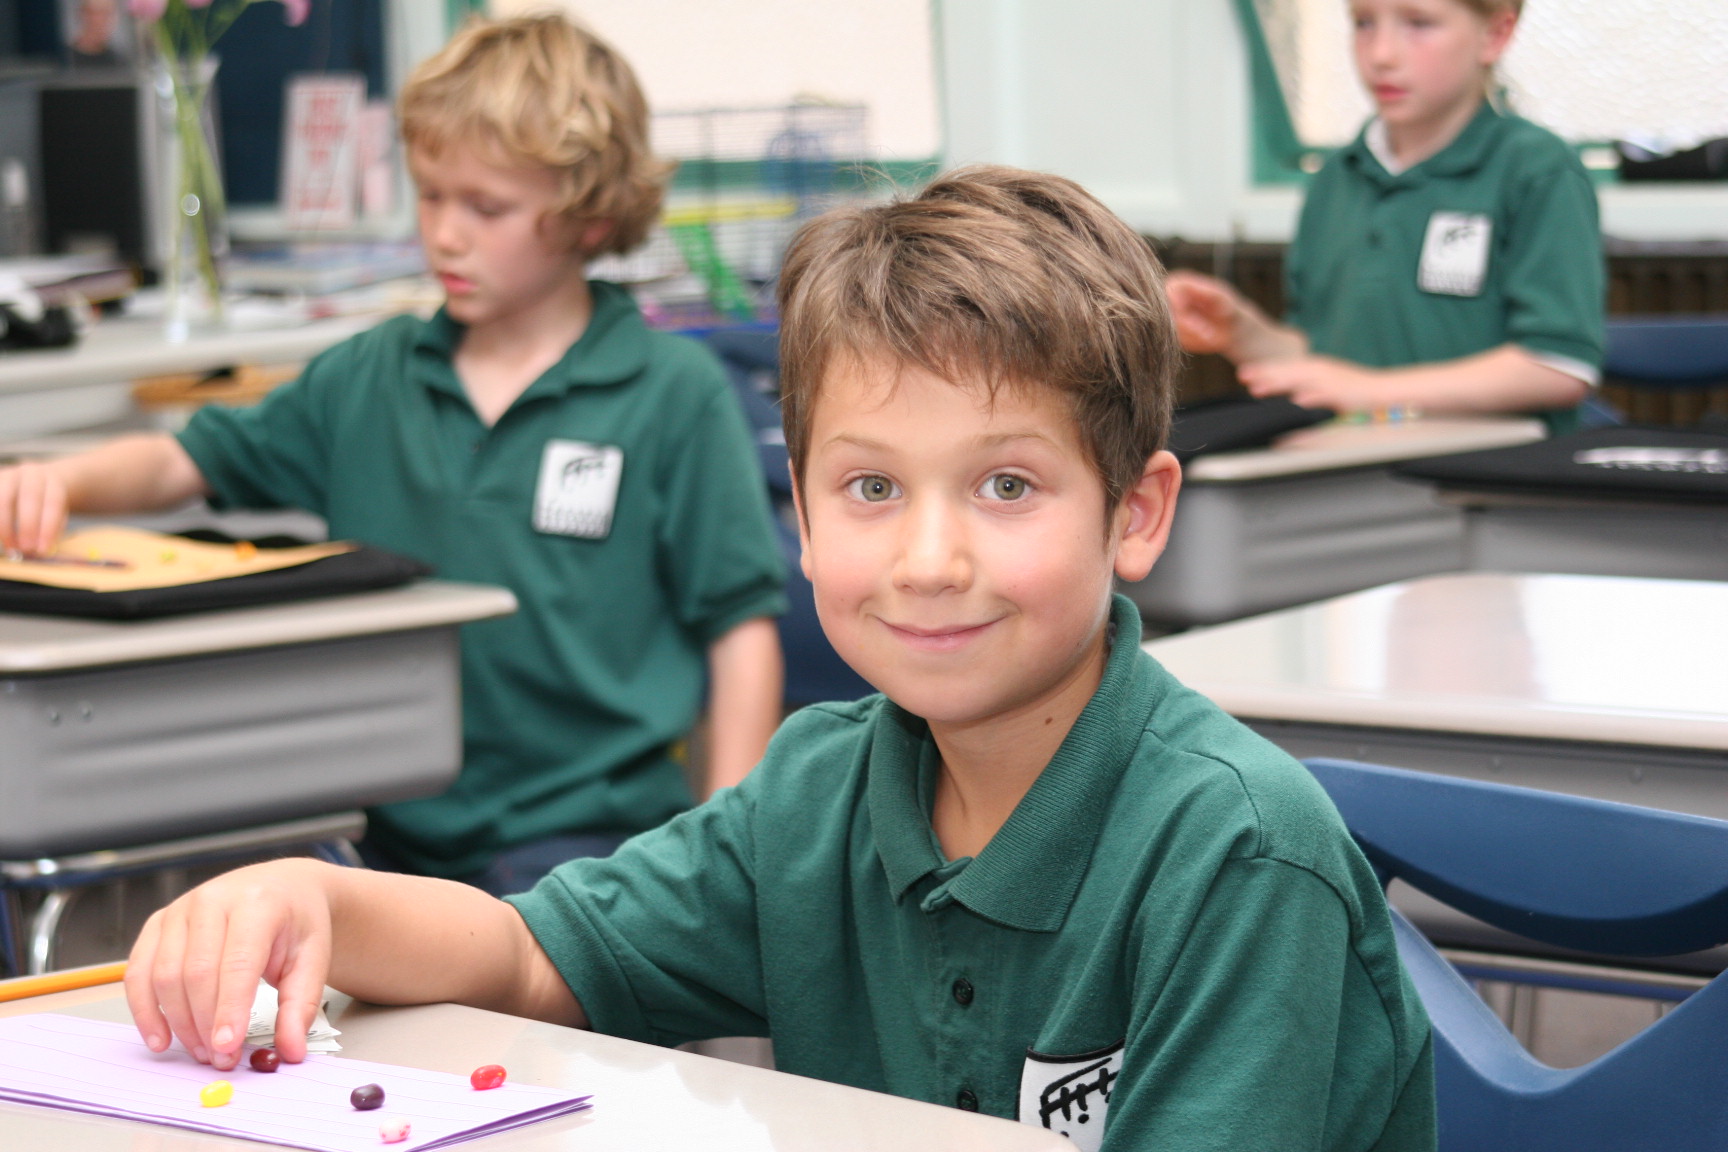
x=746 y=676
x=417 y=940
x=1259 y=337
x=140 y=473
x=1503 y=379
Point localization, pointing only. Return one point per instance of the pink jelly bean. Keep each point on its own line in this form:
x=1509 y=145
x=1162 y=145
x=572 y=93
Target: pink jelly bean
x=487 y=1076
x=394 y=1131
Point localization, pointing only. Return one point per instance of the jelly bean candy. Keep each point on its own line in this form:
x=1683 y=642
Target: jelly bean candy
x=367 y=1097
x=265 y=1060
x=245 y=550
x=487 y=1076
x=216 y=1093
x=394 y=1131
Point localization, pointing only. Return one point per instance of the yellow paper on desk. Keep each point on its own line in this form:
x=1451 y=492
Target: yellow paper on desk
x=114 y=559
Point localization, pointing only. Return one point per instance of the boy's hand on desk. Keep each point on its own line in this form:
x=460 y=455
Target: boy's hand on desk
x=195 y=968
x=33 y=507
x=1316 y=382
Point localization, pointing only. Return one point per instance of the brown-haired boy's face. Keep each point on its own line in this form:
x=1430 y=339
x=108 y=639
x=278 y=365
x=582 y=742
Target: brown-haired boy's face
x=491 y=232
x=952 y=541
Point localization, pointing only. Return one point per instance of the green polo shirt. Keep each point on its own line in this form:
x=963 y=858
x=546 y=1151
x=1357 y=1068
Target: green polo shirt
x=1355 y=279
x=1172 y=939
x=571 y=706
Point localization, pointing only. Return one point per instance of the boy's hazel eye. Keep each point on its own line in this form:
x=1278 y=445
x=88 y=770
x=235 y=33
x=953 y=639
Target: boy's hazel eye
x=1005 y=487
x=873 y=489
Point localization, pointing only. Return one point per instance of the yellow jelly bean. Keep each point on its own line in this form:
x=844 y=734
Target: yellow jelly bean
x=216 y=1093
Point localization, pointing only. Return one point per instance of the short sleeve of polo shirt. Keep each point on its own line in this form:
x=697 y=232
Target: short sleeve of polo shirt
x=1552 y=268
x=276 y=453
x=1267 y=1007
x=716 y=539
x=659 y=942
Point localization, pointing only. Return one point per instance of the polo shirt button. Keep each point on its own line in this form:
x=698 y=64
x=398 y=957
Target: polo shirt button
x=1374 y=238
x=967 y=1100
x=963 y=991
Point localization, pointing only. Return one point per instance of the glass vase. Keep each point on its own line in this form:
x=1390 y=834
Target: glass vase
x=195 y=233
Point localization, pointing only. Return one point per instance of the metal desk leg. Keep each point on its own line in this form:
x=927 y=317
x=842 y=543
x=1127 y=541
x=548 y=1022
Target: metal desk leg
x=44 y=925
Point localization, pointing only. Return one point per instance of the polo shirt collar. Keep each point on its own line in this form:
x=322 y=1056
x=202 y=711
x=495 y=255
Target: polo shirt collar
x=1027 y=875
x=1466 y=153
x=611 y=350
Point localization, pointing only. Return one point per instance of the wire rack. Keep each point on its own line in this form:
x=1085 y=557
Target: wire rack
x=746 y=179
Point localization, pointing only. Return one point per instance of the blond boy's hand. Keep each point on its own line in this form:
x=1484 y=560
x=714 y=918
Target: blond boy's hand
x=194 y=970
x=33 y=508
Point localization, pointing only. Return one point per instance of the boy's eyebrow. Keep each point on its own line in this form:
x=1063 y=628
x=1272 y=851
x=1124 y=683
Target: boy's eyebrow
x=994 y=440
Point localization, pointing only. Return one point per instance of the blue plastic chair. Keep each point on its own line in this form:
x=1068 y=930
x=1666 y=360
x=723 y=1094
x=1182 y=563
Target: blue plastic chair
x=1681 y=351
x=1567 y=871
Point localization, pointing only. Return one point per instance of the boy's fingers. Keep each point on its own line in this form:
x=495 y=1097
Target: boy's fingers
x=298 y=995
x=53 y=520
x=27 y=505
x=8 y=508
x=168 y=982
x=141 y=989
x=249 y=939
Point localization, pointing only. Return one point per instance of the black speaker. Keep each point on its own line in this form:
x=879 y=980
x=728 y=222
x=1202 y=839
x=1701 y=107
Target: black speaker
x=94 y=171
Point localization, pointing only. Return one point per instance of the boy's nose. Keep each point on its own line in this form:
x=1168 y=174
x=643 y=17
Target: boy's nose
x=934 y=556
x=440 y=231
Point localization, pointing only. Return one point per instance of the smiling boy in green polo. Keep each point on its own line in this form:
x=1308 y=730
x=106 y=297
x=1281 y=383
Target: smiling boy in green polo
x=1036 y=878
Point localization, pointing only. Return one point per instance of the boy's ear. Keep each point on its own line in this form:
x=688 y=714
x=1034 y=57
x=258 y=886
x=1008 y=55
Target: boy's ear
x=1143 y=521
x=1501 y=24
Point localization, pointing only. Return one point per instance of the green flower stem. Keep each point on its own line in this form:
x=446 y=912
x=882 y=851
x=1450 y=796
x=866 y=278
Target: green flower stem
x=198 y=173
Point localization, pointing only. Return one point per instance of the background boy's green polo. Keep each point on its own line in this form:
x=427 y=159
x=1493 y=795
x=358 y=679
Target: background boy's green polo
x=1352 y=270
x=1174 y=895
x=570 y=706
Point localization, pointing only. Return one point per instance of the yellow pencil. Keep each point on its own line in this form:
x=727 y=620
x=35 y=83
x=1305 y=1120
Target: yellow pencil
x=64 y=981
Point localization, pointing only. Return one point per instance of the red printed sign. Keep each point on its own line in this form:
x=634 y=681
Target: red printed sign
x=321 y=144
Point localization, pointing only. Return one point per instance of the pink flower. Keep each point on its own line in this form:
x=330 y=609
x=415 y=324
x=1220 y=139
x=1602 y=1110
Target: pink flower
x=146 y=9
x=295 y=12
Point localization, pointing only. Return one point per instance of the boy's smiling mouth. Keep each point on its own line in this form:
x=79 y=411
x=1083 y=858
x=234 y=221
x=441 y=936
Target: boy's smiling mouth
x=939 y=638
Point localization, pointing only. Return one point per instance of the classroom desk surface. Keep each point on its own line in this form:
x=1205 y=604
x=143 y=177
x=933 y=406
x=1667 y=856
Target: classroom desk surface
x=1570 y=658
x=125 y=348
x=1329 y=447
x=645 y=1098
x=1316 y=514
x=34 y=644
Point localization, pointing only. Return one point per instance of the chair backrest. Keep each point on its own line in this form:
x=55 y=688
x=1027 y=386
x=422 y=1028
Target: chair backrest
x=1570 y=871
x=1668 y=351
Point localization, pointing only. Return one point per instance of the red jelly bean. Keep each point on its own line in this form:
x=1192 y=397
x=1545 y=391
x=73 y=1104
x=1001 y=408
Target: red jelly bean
x=487 y=1076
x=265 y=1060
x=367 y=1097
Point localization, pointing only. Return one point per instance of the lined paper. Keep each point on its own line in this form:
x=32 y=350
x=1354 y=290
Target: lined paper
x=104 y=1068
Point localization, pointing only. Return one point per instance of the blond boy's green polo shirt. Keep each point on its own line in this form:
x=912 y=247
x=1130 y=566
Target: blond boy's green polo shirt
x=1493 y=240
x=619 y=498
x=1172 y=943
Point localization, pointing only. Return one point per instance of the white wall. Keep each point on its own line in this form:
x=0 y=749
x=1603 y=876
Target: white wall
x=740 y=53
x=1146 y=103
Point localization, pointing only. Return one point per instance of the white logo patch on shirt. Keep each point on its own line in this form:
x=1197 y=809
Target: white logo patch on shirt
x=1455 y=254
x=578 y=488
x=1070 y=1095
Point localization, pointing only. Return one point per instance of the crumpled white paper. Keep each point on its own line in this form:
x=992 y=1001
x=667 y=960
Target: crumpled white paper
x=261 y=1031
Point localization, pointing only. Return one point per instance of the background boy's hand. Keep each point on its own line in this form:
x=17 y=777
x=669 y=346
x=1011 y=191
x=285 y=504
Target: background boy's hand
x=195 y=967
x=1205 y=310
x=33 y=508
x=1316 y=382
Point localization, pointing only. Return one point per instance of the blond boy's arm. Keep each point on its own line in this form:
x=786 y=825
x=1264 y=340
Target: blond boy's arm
x=140 y=473
x=746 y=676
x=381 y=937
